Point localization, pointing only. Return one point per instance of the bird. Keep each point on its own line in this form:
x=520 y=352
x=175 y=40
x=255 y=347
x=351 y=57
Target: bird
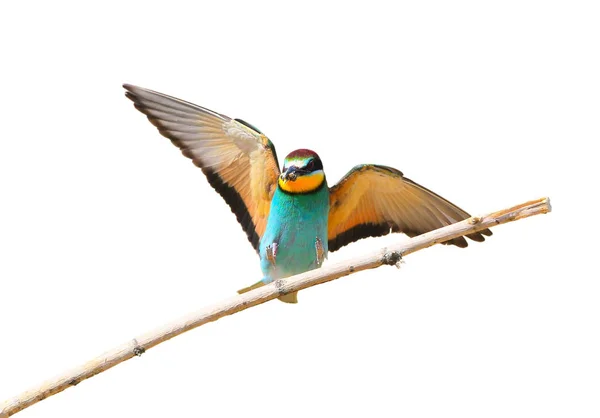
x=291 y=217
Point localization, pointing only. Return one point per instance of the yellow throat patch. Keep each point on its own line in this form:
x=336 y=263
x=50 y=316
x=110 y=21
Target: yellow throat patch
x=303 y=184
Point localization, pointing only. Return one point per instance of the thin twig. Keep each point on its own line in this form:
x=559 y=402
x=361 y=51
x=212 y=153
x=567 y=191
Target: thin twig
x=388 y=256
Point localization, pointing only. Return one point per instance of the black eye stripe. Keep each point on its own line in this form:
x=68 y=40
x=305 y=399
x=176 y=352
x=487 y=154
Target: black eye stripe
x=318 y=164
x=314 y=164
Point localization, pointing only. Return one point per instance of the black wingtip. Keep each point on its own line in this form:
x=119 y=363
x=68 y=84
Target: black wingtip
x=130 y=96
x=136 y=90
x=130 y=87
x=486 y=232
x=460 y=242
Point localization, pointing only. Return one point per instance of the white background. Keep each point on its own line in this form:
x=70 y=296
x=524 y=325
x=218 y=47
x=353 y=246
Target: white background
x=106 y=231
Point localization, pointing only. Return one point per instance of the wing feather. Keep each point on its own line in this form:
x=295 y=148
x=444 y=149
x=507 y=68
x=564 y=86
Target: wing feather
x=374 y=200
x=239 y=161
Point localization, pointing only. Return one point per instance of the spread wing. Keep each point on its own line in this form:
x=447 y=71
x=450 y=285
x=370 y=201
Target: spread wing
x=237 y=159
x=374 y=200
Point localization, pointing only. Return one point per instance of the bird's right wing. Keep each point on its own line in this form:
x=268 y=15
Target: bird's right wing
x=374 y=200
x=237 y=159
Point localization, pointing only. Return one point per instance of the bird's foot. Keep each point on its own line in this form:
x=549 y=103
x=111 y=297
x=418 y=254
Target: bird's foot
x=320 y=250
x=272 y=253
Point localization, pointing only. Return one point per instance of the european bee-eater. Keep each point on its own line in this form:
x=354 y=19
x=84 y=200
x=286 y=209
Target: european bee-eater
x=291 y=217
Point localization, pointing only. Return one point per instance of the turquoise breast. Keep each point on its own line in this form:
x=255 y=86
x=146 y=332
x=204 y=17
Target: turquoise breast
x=294 y=224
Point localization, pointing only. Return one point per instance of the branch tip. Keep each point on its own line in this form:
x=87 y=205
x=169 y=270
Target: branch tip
x=548 y=204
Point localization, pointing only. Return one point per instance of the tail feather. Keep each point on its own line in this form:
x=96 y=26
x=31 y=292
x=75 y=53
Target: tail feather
x=289 y=298
x=249 y=288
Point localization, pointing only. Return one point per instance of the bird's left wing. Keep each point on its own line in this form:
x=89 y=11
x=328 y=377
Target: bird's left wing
x=374 y=200
x=237 y=159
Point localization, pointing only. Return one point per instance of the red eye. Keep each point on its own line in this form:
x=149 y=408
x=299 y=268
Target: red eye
x=310 y=165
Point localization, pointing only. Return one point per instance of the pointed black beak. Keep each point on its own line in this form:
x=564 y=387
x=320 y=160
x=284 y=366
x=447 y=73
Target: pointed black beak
x=292 y=173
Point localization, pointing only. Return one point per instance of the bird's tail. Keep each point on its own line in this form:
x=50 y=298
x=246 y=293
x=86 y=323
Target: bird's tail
x=288 y=298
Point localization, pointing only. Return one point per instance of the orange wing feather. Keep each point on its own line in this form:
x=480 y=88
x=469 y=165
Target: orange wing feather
x=238 y=160
x=374 y=200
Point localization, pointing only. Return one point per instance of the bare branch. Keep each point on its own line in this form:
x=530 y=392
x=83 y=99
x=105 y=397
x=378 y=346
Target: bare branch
x=386 y=256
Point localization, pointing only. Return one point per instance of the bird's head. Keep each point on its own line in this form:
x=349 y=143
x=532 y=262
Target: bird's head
x=302 y=172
